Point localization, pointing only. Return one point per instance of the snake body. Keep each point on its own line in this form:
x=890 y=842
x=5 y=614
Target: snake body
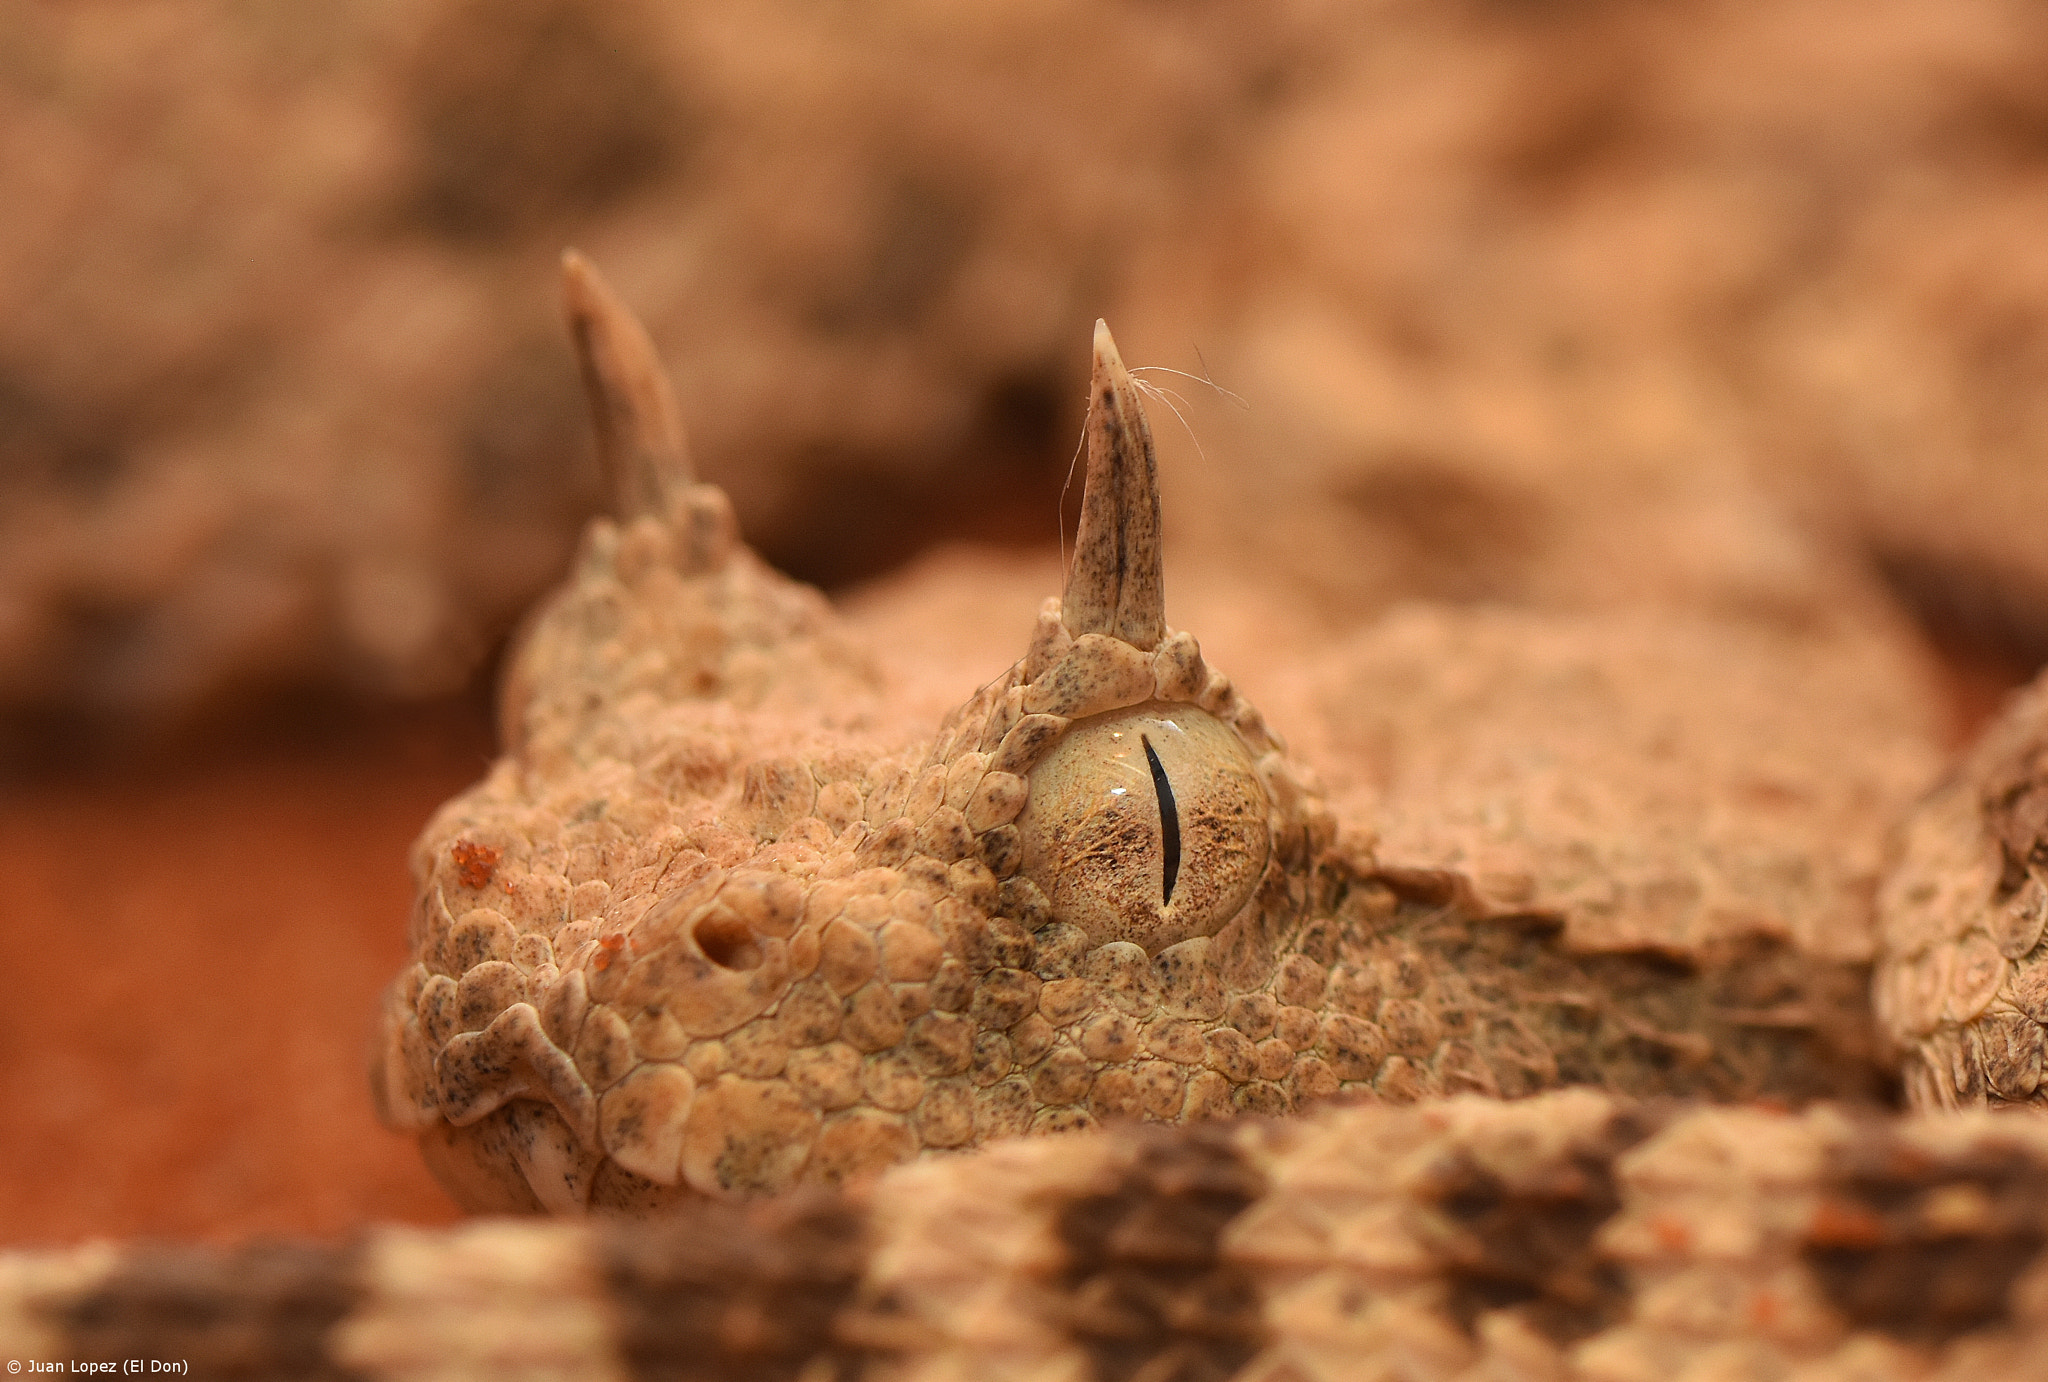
x=734 y=962
x=1571 y=1235
x=718 y=924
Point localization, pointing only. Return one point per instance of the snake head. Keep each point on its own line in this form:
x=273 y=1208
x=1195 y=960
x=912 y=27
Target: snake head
x=712 y=925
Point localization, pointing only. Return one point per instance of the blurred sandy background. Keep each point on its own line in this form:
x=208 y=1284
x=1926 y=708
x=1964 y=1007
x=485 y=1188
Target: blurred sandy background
x=1736 y=309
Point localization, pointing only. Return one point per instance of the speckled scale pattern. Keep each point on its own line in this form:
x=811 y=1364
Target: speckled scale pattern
x=702 y=931
x=1961 y=988
x=687 y=940
x=724 y=920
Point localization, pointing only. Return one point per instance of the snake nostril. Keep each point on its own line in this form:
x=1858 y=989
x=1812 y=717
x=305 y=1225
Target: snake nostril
x=727 y=943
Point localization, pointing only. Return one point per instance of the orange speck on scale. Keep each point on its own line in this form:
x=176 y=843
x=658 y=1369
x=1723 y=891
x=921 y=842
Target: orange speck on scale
x=1672 y=1234
x=476 y=864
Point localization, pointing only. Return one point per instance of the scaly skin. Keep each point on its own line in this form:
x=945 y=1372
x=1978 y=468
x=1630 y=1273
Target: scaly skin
x=1570 y=1236
x=720 y=923
x=1961 y=989
x=723 y=920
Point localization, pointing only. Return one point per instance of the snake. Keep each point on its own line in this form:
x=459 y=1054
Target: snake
x=1072 y=1036
x=719 y=923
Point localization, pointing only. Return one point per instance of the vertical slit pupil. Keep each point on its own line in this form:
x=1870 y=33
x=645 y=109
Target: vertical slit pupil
x=1169 y=818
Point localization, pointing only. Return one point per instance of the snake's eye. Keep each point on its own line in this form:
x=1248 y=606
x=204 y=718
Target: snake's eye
x=1146 y=824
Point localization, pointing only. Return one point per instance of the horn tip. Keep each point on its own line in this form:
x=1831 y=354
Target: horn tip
x=1109 y=363
x=582 y=285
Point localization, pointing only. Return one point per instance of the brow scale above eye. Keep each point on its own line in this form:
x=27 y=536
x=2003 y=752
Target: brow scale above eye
x=1169 y=817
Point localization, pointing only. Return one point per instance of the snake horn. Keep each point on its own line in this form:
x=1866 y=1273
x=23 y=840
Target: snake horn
x=1114 y=585
x=639 y=432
